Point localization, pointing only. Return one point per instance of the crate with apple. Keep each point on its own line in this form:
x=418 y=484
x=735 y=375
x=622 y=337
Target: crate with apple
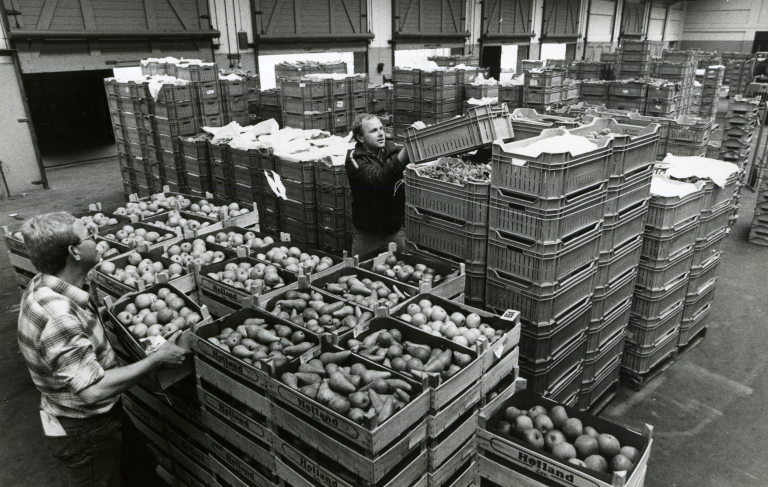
x=138 y=210
x=229 y=213
x=554 y=443
x=237 y=354
x=144 y=320
x=447 y=281
x=137 y=234
x=313 y=309
x=196 y=251
x=233 y=237
x=139 y=269
x=364 y=288
x=369 y=416
x=192 y=226
x=292 y=256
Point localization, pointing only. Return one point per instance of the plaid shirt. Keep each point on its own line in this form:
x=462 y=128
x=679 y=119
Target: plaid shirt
x=64 y=345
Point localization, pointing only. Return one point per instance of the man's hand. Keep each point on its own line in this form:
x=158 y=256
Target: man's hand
x=170 y=355
x=419 y=125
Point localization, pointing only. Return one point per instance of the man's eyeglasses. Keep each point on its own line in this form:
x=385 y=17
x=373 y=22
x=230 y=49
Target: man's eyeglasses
x=91 y=235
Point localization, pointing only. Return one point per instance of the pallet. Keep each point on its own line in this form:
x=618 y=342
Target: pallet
x=638 y=381
x=692 y=343
x=605 y=399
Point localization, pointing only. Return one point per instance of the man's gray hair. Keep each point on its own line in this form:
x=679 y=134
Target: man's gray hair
x=357 y=124
x=47 y=238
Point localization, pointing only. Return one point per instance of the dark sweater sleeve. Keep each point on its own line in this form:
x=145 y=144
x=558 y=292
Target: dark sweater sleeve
x=363 y=173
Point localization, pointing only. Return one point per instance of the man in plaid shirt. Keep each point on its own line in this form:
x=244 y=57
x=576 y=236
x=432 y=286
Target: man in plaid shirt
x=69 y=358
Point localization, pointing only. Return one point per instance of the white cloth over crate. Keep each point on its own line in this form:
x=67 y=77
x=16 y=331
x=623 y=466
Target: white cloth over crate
x=700 y=167
x=661 y=185
x=559 y=144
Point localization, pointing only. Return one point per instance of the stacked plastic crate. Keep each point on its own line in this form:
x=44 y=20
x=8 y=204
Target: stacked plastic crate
x=720 y=181
x=528 y=123
x=332 y=209
x=543 y=87
x=299 y=211
x=680 y=73
x=196 y=164
x=270 y=106
x=758 y=231
x=428 y=96
x=611 y=60
x=688 y=136
x=665 y=99
x=694 y=107
x=249 y=186
x=545 y=222
x=357 y=93
x=511 y=93
x=234 y=103
x=457 y=60
x=627 y=95
x=588 y=70
x=630 y=169
x=742 y=73
x=126 y=113
x=380 y=99
x=310 y=103
x=710 y=90
x=634 y=60
x=736 y=145
x=478 y=91
x=666 y=255
x=595 y=92
x=205 y=89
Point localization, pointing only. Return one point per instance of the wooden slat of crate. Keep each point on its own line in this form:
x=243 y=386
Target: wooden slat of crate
x=256 y=443
x=501 y=369
x=440 y=452
x=371 y=468
x=453 y=464
x=230 y=387
x=167 y=477
x=232 y=462
x=186 y=479
x=21 y=262
x=164 y=460
x=214 y=304
x=408 y=476
x=443 y=419
x=146 y=415
x=495 y=403
x=184 y=462
x=151 y=434
x=197 y=453
x=185 y=425
x=226 y=475
x=502 y=346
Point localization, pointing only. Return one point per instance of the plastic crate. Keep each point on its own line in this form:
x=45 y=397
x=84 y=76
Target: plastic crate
x=543 y=79
x=602 y=327
x=478 y=127
x=541 y=264
x=219 y=152
x=332 y=219
x=669 y=212
x=175 y=127
x=458 y=238
x=691 y=327
x=607 y=297
x=302 y=191
x=633 y=146
x=655 y=247
x=629 y=89
x=545 y=378
x=685 y=150
x=481 y=91
x=193 y=72
x=701 y=275
x=468 y=202
x=330 y=175
x=633 y=104
x=208 y=90
x=307 y=121
x=635 y=190
x=511 y=94
x=543 y=342
x=593 y=390
x=234 y=103
x=331 y=197
x=300 y=231
x=712 y=222
x=644 y=333
x=433 y=93
x=438 y=78
x=298 y=106
x=648 y=303
x=331 y=239
x=550 y=175
x=655 y=274
x=641 y=361
x=505 y=292
x=690 y=129
x=617 y=261
x=545 y=96
x=662 y=108
x=231 y=87
x=596 y=360
x=212 y=121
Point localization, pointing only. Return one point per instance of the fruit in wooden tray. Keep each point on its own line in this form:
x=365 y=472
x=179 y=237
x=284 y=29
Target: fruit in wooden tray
x=349 y=388
x=105 y=250
x=566 y=439
x=367 y=293
x=140 y=269
x=177 y=220
x=132 y=235
x=196 y=252
x=98 y=220
x=397 y=269
x=291 y=259
x=210 y=210
x=141 y=209
x=313 y=313
x=458 y=327
x=250 y=277
x=234 y=239
x=388 y=348
x=255 y=340
x=162 y=314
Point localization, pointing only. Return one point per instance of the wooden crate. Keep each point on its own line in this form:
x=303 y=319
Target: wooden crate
x=150 y=228
x=254 y=441
x=184 y=283
x=441 y=448
x=217 y=389
x=459 y=470
x=234 y=477
x=21 y=262
x=146 y=423
x=515 y=455
x=191 y=464
x=234 y=459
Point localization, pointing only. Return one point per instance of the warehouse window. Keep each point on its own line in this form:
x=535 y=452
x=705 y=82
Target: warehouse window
x=418 y=57
x=267 y=63
x=552 y=51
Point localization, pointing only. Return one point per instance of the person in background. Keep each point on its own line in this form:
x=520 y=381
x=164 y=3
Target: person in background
x=69 y=358
x=375 y=172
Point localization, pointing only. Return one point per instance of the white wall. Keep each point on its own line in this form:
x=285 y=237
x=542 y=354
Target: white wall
x=230 y=17
x=600 y=21
x=675 y=23
x=657 y=21
x=723 y=25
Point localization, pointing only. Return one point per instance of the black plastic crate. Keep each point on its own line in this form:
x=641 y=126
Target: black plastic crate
x=457 y=238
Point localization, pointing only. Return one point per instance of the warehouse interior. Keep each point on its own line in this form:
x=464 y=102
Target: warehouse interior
x=63 y=62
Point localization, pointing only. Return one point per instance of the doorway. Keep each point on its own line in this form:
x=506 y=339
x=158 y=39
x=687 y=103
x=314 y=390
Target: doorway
x=492 y=60
x=71 y=116
x=761 y=42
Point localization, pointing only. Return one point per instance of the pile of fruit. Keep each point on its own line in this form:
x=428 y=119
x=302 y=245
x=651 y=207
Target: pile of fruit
x=460 y=328
x=349 y=388
x=313 y=313
x=98 y=220
x=234 y=240
x=596 y=135
x=209 y=210
x=567 y=439
x=161 y=314
x=256 y=340
x=140 y=269
x=176 y=220
x=131 y=235
x=105 y=250
x=141 y=209
x=397 y=269
x=455 y=171
x=196 y=252
x=292 y=258
x=367 y=293
x=388 y=348
x=249 y=276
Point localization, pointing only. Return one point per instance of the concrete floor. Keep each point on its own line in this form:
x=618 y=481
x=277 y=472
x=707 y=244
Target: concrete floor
x=708 y=410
